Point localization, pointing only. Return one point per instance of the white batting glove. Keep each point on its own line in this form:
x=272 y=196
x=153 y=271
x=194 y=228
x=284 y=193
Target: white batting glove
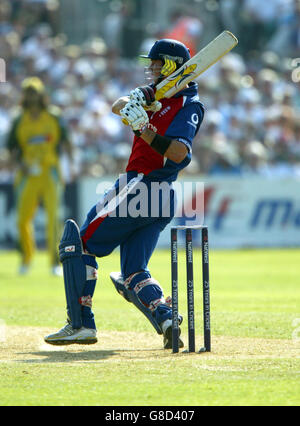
x=135 y=115
x=146 y=97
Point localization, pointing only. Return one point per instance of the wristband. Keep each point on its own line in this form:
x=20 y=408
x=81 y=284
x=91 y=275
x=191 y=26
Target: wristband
x=160 y=144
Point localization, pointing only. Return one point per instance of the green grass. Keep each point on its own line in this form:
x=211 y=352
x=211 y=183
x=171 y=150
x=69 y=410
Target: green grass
x=255 y=345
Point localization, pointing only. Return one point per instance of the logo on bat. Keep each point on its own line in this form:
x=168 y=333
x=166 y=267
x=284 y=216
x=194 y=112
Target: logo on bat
x=176 y=80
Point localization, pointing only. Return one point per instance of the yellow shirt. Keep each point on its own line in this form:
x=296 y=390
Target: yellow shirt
x=37 y=141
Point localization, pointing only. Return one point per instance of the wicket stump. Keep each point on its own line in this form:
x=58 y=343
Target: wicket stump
x=190 y=288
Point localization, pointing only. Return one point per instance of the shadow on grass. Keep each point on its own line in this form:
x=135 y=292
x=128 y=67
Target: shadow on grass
x=67 y=356
x=61 y=356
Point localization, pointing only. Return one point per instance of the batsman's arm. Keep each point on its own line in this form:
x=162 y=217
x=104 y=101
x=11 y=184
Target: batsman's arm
x=170 y=148
x=176 y=151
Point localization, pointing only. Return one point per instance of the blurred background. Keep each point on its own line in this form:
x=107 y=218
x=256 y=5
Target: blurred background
x=86 y=53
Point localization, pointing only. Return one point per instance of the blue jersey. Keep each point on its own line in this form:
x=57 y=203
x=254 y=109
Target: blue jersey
x=179 y=118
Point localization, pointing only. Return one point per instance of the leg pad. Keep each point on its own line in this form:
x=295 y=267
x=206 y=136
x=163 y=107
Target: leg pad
x=70 y=253
x=130 y=296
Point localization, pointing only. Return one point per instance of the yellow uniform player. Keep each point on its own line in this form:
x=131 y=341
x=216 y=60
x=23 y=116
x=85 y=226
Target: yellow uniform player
x=36 y=137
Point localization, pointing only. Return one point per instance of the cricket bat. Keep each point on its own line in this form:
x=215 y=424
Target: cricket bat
x=199 y=63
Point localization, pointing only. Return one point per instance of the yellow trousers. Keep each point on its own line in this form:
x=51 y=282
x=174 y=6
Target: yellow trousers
x=31 y=191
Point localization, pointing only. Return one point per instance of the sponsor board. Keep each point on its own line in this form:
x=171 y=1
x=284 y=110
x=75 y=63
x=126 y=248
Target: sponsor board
x=238 y=212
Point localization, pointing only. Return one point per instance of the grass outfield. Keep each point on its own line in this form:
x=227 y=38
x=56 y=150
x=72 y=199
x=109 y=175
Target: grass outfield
x=255 y=338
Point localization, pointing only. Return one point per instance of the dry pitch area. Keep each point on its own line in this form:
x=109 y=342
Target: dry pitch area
x=26 y=345
x=131 y=369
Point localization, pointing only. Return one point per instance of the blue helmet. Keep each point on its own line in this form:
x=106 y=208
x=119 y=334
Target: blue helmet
x=173 y=49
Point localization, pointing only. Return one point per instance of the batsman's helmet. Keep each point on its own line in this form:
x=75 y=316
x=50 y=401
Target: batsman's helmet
x=173 y=49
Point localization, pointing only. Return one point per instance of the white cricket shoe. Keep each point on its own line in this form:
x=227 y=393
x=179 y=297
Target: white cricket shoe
x=166 y=327
x=69 y=336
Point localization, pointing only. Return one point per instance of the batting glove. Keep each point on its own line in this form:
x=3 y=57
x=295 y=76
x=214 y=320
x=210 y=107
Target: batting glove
x=146 y=97
x=135 y=115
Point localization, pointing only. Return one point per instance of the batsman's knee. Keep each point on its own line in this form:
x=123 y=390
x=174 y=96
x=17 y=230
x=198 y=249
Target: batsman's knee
x=70 y=244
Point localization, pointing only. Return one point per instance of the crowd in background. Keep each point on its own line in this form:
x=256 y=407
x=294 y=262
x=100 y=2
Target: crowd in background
x=252 y=96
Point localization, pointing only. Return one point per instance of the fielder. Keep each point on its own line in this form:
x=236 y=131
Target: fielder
x=162 y=147
x=36 y=138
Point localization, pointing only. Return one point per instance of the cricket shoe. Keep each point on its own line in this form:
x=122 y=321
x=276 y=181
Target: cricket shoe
x=168 y=335
x=70 y=336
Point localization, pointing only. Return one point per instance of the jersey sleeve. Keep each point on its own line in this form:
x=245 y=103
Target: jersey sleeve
x=186 y=124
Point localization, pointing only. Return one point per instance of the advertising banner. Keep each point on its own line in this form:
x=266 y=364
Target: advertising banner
x=239 y=212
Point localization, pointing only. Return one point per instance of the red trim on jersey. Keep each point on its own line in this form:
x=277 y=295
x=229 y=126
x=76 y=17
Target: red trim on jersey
x=91 y=229
x=143 y=159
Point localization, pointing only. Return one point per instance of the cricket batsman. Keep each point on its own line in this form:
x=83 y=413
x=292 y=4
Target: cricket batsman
x=162 y=147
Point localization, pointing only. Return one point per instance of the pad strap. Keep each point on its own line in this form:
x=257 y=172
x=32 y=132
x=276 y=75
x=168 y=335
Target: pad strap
x=142 y=284
x=91 y=273
x=86 y=301
x=155 y=303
